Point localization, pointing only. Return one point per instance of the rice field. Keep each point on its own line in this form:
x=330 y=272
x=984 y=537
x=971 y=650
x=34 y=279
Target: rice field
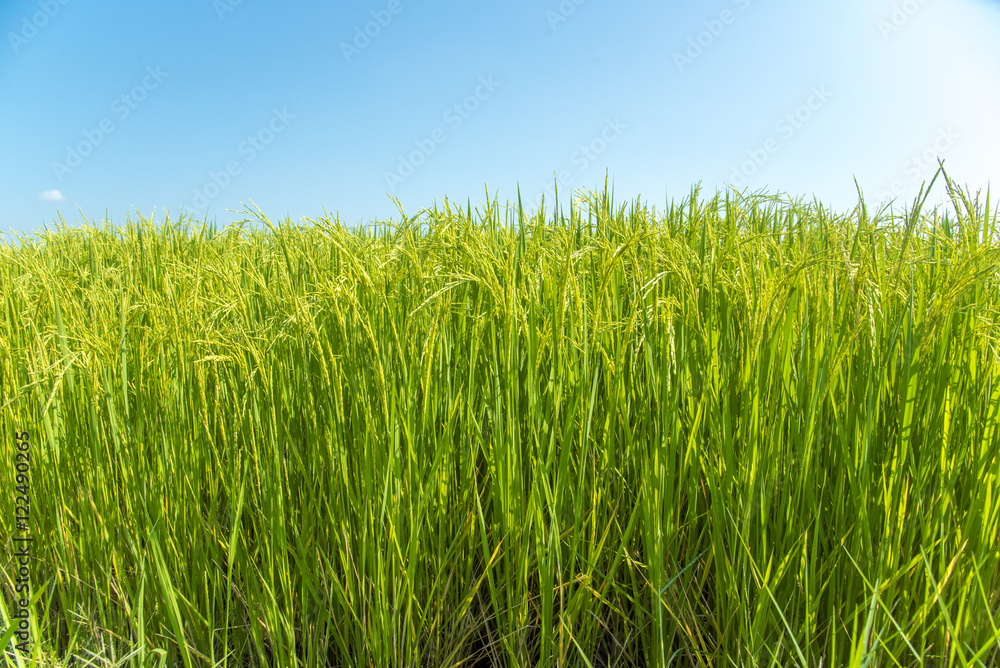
x=740 y=431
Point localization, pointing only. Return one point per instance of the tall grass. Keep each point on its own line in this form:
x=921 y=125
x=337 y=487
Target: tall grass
x=742 y=432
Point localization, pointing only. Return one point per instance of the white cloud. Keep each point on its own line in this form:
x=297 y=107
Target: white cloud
x=51 y=196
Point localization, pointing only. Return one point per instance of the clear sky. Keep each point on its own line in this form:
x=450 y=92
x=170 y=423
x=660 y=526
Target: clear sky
x=117 y=106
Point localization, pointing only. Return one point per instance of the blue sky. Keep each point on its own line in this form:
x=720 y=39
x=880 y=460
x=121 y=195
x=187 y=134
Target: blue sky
x=305 y=107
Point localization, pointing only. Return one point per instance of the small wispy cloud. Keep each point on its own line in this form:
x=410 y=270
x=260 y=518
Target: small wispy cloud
x=51 y=196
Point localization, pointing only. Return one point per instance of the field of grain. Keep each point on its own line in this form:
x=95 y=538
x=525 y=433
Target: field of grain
x=741 y=431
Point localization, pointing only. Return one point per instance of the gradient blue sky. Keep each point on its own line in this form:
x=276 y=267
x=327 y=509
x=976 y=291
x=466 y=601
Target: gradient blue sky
x=113 y=107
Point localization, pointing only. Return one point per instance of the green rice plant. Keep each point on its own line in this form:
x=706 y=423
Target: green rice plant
x=742 y=431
